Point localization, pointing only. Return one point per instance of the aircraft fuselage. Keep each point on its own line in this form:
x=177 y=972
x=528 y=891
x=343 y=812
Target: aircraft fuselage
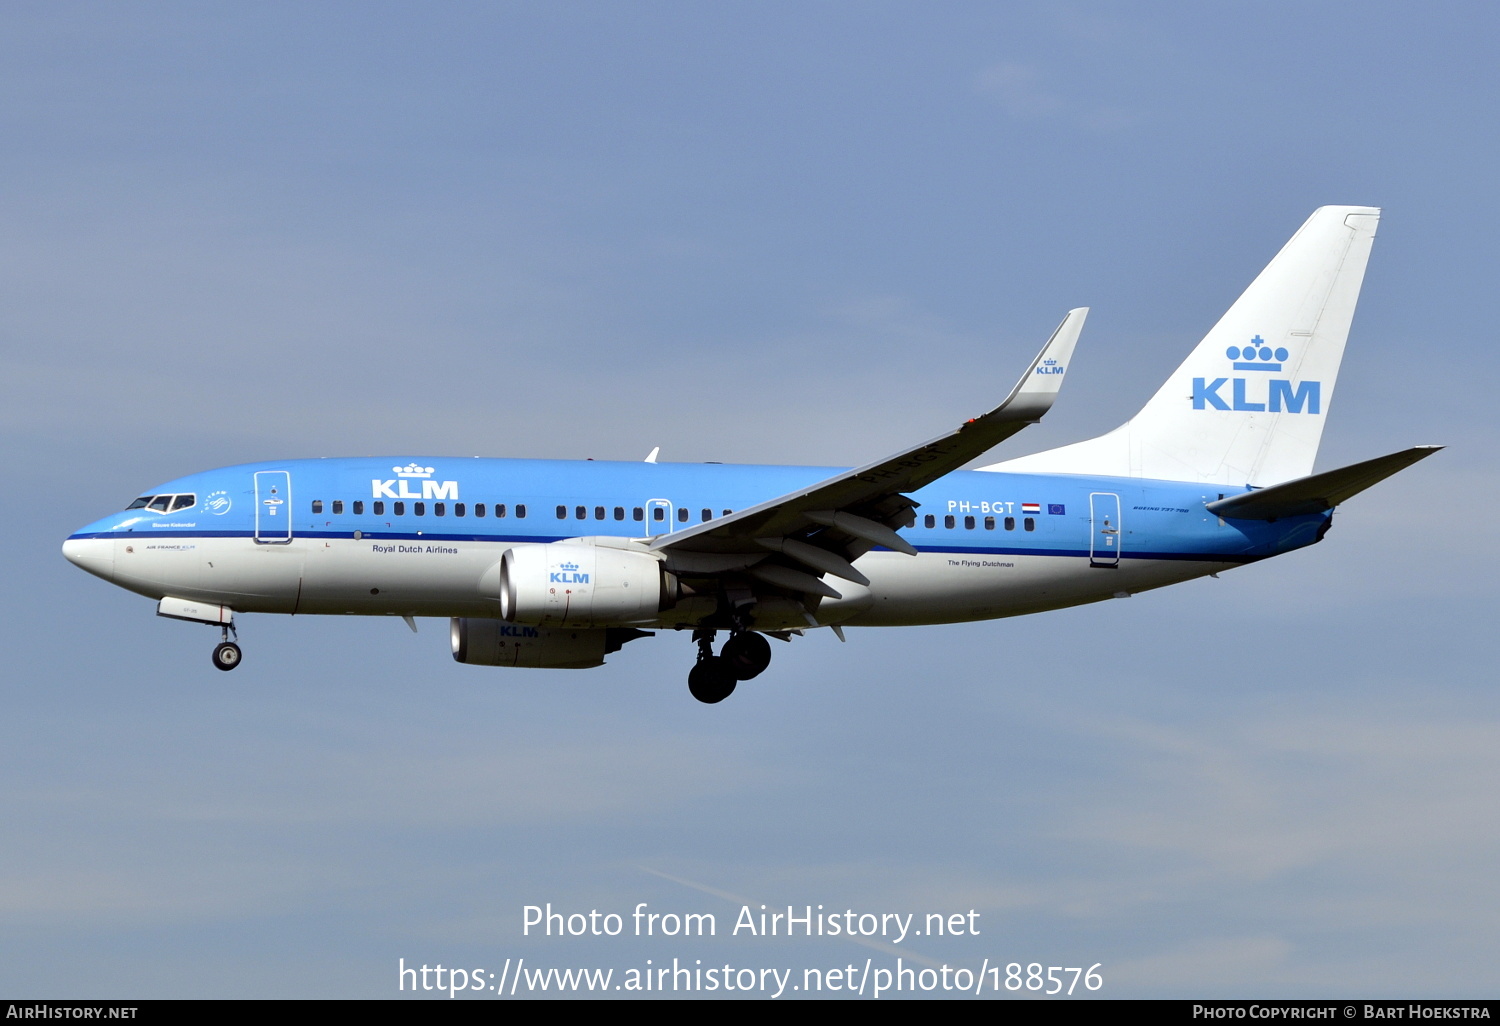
x=423 y=537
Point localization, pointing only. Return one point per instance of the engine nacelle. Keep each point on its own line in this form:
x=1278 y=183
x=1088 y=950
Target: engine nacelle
x=568 y=584
x=495 y=643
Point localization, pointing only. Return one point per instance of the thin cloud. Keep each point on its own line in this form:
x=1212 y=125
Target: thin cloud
x=1021 y=90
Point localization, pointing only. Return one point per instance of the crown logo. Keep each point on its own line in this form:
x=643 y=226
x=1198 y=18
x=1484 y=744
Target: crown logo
x=1257 y=356
x=412 y=470
x=568 y=566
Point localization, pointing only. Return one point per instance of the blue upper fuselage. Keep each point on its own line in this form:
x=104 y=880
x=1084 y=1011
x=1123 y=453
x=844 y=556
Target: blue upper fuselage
x=505 y=500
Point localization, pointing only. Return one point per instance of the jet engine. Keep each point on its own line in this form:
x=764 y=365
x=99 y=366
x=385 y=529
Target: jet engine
x=569 y=584
x=493 y=643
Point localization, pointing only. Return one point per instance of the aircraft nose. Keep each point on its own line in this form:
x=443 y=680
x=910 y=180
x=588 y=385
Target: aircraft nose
x=96 y=555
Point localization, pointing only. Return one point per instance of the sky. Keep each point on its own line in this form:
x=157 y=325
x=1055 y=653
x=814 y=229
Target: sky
x=763 y=233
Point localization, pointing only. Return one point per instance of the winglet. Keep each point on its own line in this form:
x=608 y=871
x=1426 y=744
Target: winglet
x=1034 y=393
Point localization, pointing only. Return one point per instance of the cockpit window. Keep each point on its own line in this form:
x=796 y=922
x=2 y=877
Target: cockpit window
x=164 y=503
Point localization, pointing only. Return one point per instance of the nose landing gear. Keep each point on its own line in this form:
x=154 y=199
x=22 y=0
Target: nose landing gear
x=227 y=654
x=713 y=679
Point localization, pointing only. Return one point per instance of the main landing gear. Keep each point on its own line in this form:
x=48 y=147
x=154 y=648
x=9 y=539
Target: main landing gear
x=713 y=679
x=227 y=654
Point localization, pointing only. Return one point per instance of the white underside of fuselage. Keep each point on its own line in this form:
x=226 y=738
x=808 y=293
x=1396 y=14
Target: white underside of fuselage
x=412 y=577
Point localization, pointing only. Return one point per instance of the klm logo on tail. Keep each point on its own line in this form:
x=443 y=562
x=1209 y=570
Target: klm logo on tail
x=1258 y=395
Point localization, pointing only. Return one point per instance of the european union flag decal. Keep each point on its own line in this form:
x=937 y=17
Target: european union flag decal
x=1056 y=509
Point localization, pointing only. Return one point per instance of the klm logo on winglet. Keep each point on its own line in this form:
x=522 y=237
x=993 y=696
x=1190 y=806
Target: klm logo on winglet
x=1257 y=395
x=567 y=573
x=399 y=487
x=1050 y=367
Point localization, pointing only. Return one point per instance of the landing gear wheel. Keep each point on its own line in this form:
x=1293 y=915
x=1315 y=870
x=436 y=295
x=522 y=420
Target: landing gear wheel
x=226 y=655
x=747 y=655
x=711 y=680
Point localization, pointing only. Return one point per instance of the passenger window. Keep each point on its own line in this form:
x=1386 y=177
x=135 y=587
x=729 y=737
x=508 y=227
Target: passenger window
x=948 y=521
x=581 y=512
x=141 y=502
x=929 y=521
x=317 y=506
x=520 y=510
x=637 y=514
x=682 y=514
x=1010 y=523
x=562 y=512
x=989 y=523
x=708 y=515
x=499 y=509
x=439 y=509
x=160 y=503
x=379 y=509
x=728 y=511
x=399 y=508
x=359 y=507
x=968 y=523
x=183 y=502
x=420 y=508
x=338 y=506
x=658 y=514
x=458 y=509
x=1029 y=523
x=598 y=512
x=619 y=512
x=479 y=509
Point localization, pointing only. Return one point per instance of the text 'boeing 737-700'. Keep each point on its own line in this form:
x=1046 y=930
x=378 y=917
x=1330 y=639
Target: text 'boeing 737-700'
x=542 y=563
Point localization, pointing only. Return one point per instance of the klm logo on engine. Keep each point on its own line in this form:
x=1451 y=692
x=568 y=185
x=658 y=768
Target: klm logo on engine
x=400 y=487
x=567 y=573
x=1257 y=395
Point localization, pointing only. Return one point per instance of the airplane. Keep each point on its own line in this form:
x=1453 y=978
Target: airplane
x=542 y=563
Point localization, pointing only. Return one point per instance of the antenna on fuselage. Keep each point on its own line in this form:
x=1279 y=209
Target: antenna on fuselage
x=652 y=457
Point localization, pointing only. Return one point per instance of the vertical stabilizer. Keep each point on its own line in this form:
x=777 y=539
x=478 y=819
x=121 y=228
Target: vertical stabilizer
x=1247 y=406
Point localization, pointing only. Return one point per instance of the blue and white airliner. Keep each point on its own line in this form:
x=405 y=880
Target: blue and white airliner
x=557 y=564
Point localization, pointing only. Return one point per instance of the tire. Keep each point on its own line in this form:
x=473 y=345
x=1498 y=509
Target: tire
x=711 y=681
x=227 y=655
x=747 y=655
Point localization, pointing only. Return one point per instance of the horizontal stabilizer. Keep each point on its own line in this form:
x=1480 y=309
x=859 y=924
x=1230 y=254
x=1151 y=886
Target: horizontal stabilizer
x=1320 y=491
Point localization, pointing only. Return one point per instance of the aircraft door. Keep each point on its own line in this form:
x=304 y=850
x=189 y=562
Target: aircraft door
x=659 y=516
x=273 y=507
x=1105 y=537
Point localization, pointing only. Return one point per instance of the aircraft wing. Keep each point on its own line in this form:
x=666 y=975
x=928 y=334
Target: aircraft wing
x=1318 y=492
x=826 y=525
